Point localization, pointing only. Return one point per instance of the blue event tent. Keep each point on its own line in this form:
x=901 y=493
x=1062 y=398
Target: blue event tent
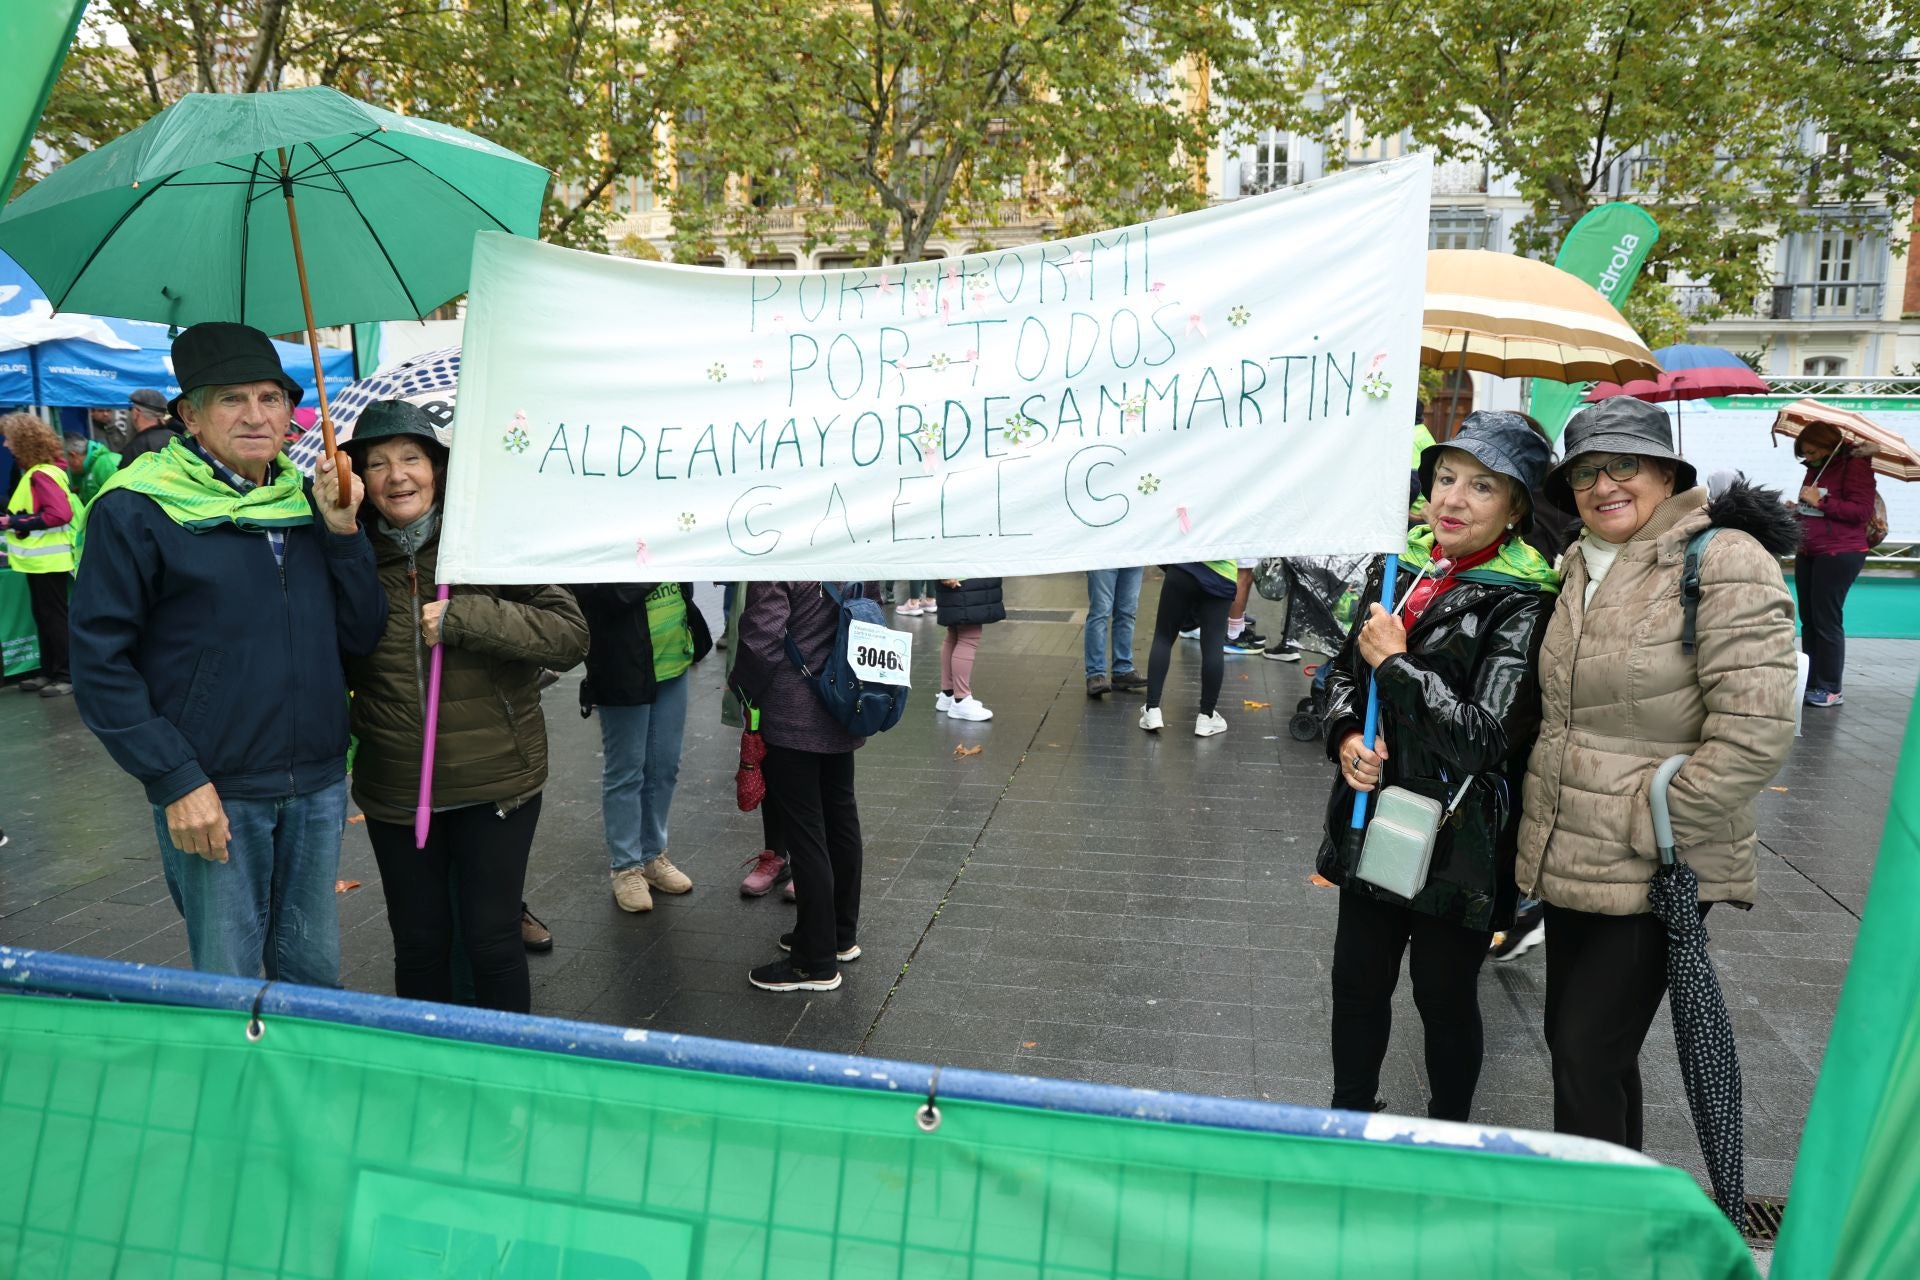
x=75 y=371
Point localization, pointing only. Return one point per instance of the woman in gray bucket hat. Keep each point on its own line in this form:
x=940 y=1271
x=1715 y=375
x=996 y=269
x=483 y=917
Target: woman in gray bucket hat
x=1458 y=711
x=1620 y=691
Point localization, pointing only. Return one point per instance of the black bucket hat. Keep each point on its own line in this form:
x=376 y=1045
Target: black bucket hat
x=1618 y=424
x=1499 y=441
x=386 y=420
x=221 y=354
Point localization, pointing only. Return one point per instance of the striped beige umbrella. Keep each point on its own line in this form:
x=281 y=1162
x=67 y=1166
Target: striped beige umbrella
x=1893 y=456
x=1514 y=317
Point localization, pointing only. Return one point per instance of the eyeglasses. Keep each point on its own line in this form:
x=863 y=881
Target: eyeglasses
x=1620 y=468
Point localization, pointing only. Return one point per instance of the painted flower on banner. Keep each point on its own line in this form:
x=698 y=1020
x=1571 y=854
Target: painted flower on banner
x=1134 y=409
x=1149 y=483
x=1374 y=383
x=516 y=440
x=929 y=438
x=937 y=362
x=1020 y=428
x=1238 y=317
x=717 y=371
x=687 y=521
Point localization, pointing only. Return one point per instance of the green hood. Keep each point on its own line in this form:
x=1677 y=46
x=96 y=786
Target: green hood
x=1517 y=564
x=196 y=499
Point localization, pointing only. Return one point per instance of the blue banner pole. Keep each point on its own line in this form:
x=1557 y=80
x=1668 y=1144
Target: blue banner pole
x=1389 y=578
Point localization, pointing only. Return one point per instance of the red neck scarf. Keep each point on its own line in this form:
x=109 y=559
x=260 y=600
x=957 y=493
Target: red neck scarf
x=1432 y=588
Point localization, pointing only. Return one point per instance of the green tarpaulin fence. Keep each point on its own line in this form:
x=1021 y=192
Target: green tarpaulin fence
x=19 y=643
x=148 y=1141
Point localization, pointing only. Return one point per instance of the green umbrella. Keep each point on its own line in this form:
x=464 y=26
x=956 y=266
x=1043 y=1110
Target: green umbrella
x=192 y=216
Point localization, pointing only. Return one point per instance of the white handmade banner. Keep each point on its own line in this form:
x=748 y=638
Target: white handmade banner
x=1234 y=382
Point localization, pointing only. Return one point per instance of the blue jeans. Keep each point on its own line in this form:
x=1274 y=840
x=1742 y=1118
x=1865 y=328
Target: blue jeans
x=641 y=750
x=1112 y=595
x=270 y=907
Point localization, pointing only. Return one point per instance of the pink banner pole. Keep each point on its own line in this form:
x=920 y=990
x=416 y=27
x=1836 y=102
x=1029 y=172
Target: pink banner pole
x=423 y=812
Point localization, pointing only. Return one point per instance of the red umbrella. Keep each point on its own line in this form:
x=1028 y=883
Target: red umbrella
x=1685 y=384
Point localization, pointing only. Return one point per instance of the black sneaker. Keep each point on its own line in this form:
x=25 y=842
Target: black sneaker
x=1246 y=642
x=1282 y=651
x=852 y=952
x=1529 y=931
x=783 y=975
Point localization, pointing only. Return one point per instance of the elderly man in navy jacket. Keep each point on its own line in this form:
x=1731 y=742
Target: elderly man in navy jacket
x=216 y=591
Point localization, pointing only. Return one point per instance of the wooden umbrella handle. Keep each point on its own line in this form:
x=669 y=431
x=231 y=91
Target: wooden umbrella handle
x=342 y=464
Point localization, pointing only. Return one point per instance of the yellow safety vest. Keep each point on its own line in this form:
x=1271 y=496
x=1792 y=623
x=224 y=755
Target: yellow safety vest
x=48 y=550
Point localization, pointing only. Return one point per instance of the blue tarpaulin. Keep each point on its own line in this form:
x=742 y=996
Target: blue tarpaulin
x=75 y=371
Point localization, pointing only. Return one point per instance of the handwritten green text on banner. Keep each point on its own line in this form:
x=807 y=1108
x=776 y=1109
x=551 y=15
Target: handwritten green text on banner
x=1234 y=382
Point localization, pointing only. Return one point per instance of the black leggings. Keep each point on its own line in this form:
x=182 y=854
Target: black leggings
x=1606 y=976
x=1823 y=583
x=1182 y=598
x=1367 y=945
x=47 y=597
x=491 y=854
x=821 y=821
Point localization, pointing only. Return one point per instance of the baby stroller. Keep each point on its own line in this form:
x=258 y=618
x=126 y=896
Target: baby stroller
x=1320 y=593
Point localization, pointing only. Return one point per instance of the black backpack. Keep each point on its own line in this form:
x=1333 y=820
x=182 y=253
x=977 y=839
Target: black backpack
x=861 y=707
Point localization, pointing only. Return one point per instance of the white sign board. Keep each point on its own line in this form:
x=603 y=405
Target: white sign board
x=1234 y=382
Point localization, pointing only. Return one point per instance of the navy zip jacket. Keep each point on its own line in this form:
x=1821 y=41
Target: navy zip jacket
x=197 y=659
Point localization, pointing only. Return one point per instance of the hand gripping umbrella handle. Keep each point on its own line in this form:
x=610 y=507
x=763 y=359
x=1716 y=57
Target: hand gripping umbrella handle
x=423 y=811
x=1390 y=575
x=1657 y=801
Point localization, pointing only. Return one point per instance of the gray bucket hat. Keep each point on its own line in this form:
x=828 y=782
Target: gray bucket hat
x=1499 y=441
x=1619 y=424
x=386 y=419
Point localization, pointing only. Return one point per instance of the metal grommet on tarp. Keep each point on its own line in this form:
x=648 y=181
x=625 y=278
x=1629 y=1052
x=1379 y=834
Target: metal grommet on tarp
x=928 y=1116
x=255 y=1027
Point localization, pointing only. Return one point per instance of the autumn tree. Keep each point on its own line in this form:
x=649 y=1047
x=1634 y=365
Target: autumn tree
x=879 y=124
x=580 y=86
x=1693 y=109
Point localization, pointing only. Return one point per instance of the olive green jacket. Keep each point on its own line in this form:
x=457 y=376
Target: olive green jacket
x=492 y=745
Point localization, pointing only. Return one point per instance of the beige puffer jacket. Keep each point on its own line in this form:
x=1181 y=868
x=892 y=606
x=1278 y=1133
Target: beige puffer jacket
x=1618 y=696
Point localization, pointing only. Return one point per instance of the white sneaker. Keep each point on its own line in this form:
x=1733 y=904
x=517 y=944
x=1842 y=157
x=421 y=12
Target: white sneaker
x=911 y=608
x=968 y=708
x=943 y=703
x=1194 y=634
x=1151 y=720
x=1207 y=726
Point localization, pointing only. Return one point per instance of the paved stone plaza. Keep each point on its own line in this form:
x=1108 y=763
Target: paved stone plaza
x=1078 y=899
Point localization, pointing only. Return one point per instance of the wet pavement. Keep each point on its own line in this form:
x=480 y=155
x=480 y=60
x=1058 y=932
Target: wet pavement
x=1077 y=899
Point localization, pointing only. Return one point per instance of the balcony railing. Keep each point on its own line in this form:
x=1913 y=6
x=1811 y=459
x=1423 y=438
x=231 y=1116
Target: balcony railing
x=1847 y=300
x=1256 y=179
x=1460 y=178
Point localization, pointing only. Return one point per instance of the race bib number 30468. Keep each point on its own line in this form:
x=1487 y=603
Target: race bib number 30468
x=880 y=654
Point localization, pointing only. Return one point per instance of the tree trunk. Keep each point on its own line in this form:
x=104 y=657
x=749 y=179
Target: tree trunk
x=272 y=14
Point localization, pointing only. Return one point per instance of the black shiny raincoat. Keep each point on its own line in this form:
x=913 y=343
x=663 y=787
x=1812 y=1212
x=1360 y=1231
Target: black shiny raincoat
x=1464 y=699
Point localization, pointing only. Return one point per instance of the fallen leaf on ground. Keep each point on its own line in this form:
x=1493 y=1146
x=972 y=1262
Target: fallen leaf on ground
x=1776 y=788
x=356 y=818
x=961 y=753
x=1251 y=705
x=1319 y=881
x=1029 y=1044
x=1246 y=677
x=345 y=886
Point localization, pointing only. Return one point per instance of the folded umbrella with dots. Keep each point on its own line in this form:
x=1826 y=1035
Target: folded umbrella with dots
x=1702 y=1029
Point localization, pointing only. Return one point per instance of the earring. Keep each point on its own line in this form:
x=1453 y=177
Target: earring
x=1509 y=524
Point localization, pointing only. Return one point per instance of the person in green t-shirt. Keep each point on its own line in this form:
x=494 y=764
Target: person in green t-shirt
x=645 y=638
